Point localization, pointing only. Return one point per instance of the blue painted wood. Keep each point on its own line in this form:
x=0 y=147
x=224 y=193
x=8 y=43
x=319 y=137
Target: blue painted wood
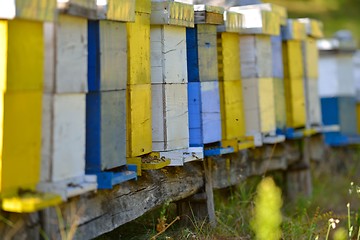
x=93 y=56
x=192 y=55
x=218 y=151
x=291 y=133
x=106 y=180
x=336 y=139
x=195 y=119
x=340 y=111
x=277 y=62
x=105 y=130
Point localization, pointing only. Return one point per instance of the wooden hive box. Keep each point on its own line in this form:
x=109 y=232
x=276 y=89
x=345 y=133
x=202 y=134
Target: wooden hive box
x=204 y=113
x=43 y=10
x=170 y=117
x=117 y=10
x=107 y=56
x=259 y=105
x=82 y=8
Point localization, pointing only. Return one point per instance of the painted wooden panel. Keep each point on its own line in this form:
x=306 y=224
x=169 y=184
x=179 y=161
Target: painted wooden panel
x=107 y=60
x=21 y=141
x=105 y=130
x=63 y=134
x=40 y=10
x=295 y=102
x=229 y=57
x=204 y=113
x=139 y=49
x=123 y=10
x=139 y=120
x=279 y=102
x=207 y=52
x=336 y=75
x=84 y=3
x=340 y=111
x=259 y=105
x=192 y=55
x=168 y=54
x=313 y=110
x=292 y=59
x=232 y=110
x=255 y=56
x=25 y=67
x=143 y=6
x=311 y=58
x=170 y=127
x=71 y=55
x=3 y=55
x=356 y=60
x=277 y=62
x=358 y=117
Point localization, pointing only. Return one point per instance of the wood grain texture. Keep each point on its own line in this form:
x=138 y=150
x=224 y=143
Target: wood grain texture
x=63 y=135
x=168 y=54
x=170 y=127
x=71 y=55
x=139 y=49
x=259 y=105
x=39 y=10
x=21 y=141
x=25 y=66
x=232 y=110
x=255 y=56
x=228 y=56
x=107 y=60
x=207 y=52
x=139 y=120
x=292 y=59
x=123 y=10
x=105 y=130
x=295 y=102
x=336 y=77
x=3 y=54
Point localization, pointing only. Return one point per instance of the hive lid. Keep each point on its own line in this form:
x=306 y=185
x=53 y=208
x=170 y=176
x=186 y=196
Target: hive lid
x=314 y=28
x=294 y=30
x=172 y=13
x=208 y=14
x=116 y=10
x=232 y=22
x=38 y=10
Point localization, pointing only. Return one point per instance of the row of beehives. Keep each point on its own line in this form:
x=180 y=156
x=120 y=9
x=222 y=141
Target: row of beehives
x=93 y=94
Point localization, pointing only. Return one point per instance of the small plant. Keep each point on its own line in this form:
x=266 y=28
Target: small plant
x=267 y=218
x=332 y=224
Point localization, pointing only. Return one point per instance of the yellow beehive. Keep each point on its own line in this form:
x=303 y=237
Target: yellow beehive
x=292 y=59
x=143 y=6
x=231 y=98
x=139 y=122
x=139 y=49
x=3 y=55
x=312 y=58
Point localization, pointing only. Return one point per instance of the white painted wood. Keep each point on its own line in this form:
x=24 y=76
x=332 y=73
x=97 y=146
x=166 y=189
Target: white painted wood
x=71 y=55
x=113 y=54
x=357 y=74
x=255 y=56
x=181 y=156
x=168 y=54
x=170 y=117
x=336 y=76
x=63 y=152
x=313 y=108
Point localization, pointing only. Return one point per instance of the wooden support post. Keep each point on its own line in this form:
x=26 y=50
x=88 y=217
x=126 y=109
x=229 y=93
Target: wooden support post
x=209 y=191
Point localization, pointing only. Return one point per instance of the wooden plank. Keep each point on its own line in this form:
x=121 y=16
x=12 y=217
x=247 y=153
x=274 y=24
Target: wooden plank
x=192 y=54
x=42 y=10
x=64 y=135
x=168 y=54
x=139 y=49
x=170 y=117
x=209 y=191
x=229 y=57
x=232 y=110
x=311 y=58
x=25 y=67
x=21 y=141
x=207 y=52
x=295 y=102
x=313 y=104
x=105 y=130
x=143 y=6
x=255 y=56
x=71 y=55
x=292 y=59
x=277 y=61
x=107 y=60
x=3 y=56
x=195 y=119
x=279 y=103
x=120 y=10
x=139 y=120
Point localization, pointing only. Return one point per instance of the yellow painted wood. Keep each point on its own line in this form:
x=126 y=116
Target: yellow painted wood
x=20 y=164
x=295 y=102
x=229 y=57
x=266 y=104
x=311 y=58
x=292 y=59
x=30 y=202
x=25 y=55
x=3 y=54
x=143 y=6
x=139 y=120
x=232 y=110
x=155 y=165
x=139 y=71
x=358 y=116
x=135 y=161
